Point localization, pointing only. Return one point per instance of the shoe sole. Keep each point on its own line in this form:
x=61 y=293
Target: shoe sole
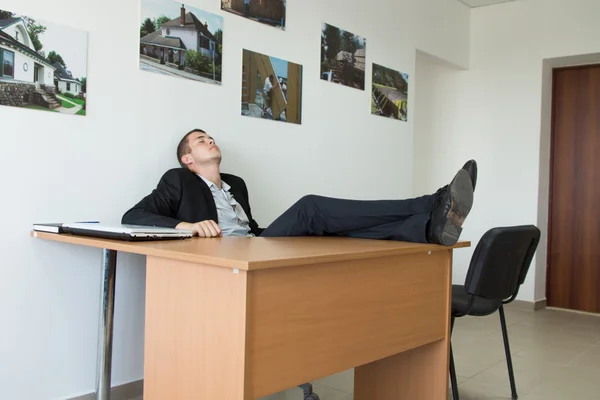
x=461 y=194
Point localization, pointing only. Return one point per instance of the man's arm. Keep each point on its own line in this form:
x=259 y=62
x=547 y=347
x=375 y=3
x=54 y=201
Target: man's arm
x=159 y=208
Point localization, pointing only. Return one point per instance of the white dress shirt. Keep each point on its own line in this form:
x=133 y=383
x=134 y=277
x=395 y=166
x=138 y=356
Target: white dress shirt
x=268 y=85
x=233 y=221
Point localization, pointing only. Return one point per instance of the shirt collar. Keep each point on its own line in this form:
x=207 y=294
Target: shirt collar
x=210 y=184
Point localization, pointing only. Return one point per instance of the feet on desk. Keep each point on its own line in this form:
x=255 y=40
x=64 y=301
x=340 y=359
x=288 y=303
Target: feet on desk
x=471 y=168
x=452 y=206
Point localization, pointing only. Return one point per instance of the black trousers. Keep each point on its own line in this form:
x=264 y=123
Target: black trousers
x=404 y=220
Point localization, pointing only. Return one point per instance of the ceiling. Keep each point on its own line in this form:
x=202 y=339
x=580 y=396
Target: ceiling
x=481 y=3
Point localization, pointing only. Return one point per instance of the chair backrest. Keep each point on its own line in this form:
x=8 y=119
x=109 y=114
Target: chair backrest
x=501 y=261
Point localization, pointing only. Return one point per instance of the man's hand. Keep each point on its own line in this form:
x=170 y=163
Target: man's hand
x=206 y=229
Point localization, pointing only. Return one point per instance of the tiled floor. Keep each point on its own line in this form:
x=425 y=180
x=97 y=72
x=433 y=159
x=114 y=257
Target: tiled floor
x=556 y=356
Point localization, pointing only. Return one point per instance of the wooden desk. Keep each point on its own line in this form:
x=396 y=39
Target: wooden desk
x=241 y=318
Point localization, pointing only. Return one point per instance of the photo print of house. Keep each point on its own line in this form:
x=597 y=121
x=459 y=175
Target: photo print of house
x=43 y=66
x=342 y=57
x=271 y=88
x=268 y=12
x=181 y=41
x=390 y=93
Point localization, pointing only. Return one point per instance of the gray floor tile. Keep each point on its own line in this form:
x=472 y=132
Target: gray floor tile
x=556 y=356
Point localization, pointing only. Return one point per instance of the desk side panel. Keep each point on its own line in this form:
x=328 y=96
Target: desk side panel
x=308 y=322
x=195 y=331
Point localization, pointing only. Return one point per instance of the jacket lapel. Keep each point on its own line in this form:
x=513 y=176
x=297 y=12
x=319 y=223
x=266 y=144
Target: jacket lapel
x=208 y=197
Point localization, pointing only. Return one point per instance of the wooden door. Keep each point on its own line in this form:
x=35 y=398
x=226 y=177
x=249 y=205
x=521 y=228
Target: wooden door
x=573 y=277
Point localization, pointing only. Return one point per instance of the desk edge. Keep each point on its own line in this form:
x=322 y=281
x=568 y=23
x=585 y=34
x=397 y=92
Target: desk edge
x=266 y=264
x=129 y=247
x=248 y=265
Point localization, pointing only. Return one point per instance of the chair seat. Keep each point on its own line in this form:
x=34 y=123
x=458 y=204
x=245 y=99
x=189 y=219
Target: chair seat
x=480 y=306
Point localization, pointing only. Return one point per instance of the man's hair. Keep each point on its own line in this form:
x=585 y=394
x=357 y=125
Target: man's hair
x=183 y=147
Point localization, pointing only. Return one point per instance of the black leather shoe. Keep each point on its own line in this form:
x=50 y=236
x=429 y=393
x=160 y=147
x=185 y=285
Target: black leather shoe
x=453 y=204
x=471 y=167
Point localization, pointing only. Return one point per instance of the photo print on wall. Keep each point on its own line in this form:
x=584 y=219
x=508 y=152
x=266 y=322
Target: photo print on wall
x=181 y=41
x=271 y=88
x=390 y=93
x=268 y=12
x=43 y=66
x=342 y=57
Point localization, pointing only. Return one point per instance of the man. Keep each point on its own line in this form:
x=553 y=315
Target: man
x=246 y=6
x=201 y=198
x=270 y=83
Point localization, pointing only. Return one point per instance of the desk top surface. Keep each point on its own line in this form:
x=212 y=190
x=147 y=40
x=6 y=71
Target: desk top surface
x=256 y=253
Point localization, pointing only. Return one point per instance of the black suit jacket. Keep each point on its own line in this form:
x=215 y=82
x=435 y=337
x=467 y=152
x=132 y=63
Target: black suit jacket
x=182 y=196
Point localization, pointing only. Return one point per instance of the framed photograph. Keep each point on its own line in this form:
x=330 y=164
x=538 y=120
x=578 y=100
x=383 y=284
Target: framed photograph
x=271 y=88
x=343 y=57
x=390 y=93
x=43 y=66
x=268 y=12
x=181 y=41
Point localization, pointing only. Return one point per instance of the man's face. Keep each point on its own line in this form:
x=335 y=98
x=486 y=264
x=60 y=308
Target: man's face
x=204 y=150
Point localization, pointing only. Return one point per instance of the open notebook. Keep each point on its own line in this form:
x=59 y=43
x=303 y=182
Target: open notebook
x=126 y=232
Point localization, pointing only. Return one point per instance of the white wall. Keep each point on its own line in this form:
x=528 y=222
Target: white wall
x=435 y=111
x=438 y=28
x=20 y=73
x=46 y=75
x=64 y=168
x=497 y=115
x=188 y=37
x=21 y=29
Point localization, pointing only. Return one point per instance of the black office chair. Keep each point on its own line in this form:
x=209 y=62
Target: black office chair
x=498 y=268
x=308 y=392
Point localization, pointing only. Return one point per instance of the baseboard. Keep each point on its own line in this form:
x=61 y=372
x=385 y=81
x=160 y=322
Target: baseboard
x=528 y=305
x=127 y=391
x=575 y=311
x=540 y=305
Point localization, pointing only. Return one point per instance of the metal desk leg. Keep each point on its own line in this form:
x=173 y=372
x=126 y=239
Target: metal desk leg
x=105 y=336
